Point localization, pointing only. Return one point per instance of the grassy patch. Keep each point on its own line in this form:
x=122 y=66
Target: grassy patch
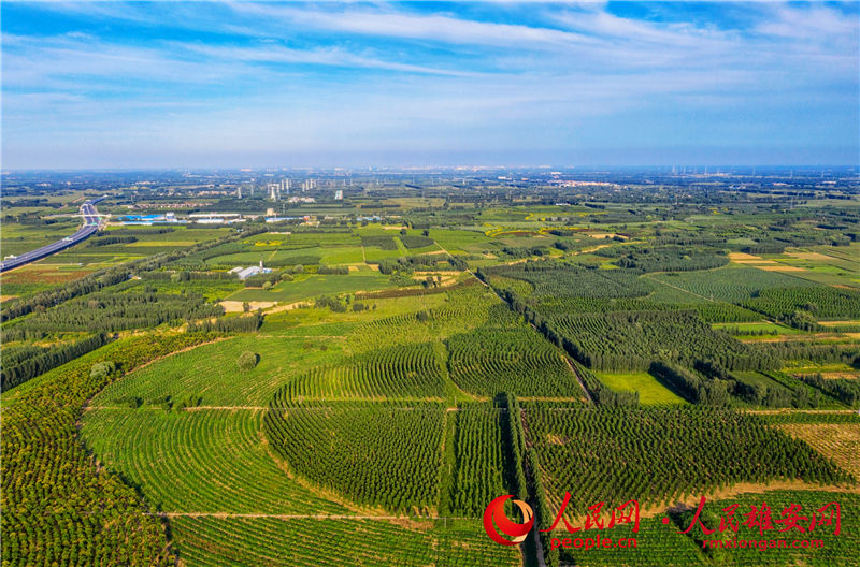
x=651 y=392
x=310 y=286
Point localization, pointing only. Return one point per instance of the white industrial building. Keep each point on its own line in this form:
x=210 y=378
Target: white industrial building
x=245 y=273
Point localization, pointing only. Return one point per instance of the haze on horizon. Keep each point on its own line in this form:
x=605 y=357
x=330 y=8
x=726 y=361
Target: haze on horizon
x=225 y=85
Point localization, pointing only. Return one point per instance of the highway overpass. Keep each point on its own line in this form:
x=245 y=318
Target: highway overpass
x=91 y=226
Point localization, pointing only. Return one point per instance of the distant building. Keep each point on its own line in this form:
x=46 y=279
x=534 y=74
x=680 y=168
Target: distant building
x=147 y=219
x=338 y=195
x=284 y=219
x=216 y=218
x=245 y=273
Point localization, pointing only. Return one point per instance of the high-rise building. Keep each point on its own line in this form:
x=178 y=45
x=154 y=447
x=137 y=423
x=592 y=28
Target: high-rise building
x=338 y=195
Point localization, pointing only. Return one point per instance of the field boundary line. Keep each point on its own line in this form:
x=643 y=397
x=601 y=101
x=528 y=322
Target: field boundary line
x=575 y=375
x=679 y=288
x=159 y=408
x=297 y=407
x=790 y=411
x=251 y=515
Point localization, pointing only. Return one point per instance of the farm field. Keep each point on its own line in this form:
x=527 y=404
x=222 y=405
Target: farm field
x=732 y=284
x=115 y=245
x=223 y=467
x=824 y=264
x=754 y=329
x=661 y=545
x=94 y=254
x=217 y=542
x=429 y=284
x=612 y=460
x=837 y=436
x=40 y=276
x=460 y=241
x=838 y=441
x=651 y=392
x=403 y=361
x=211 y=373
x=836 y=370
x=310 y=286
x=21 y=237
x=301 y=320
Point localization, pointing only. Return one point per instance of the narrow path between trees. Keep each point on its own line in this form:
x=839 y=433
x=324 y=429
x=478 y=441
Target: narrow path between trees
x=240 y=515
x=578 y=379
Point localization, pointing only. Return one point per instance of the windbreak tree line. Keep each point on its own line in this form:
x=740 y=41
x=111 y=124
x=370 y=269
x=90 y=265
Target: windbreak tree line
x=227 y=324
x=665 y=258
x=110 y=311
x=23 y=363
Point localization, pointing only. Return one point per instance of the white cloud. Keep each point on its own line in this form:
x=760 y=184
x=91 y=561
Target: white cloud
x=331 y=56
x=815 y=23
x=293 y=77
x=436 y=28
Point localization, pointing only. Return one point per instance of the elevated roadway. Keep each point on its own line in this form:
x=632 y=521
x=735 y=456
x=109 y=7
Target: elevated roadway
x=90 y=227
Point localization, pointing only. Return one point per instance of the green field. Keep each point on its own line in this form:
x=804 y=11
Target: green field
x=732 y=283
x=651 y=392
x=310 y=286
x=19 y=238
x=452 y=350
x=755 y=328
x=223 y=468
x=215 y=542
x=211 y=372
x=460 y=241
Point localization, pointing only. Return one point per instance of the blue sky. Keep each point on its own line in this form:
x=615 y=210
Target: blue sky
x=114 y=85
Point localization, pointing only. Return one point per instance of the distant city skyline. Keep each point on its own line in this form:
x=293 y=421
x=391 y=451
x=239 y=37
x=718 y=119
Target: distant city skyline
x=111 y=85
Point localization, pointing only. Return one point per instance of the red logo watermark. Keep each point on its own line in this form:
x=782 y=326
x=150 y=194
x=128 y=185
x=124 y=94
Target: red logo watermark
x=761 y=517
x=495 y=512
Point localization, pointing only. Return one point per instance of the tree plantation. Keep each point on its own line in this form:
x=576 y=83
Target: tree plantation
x=353 y=381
